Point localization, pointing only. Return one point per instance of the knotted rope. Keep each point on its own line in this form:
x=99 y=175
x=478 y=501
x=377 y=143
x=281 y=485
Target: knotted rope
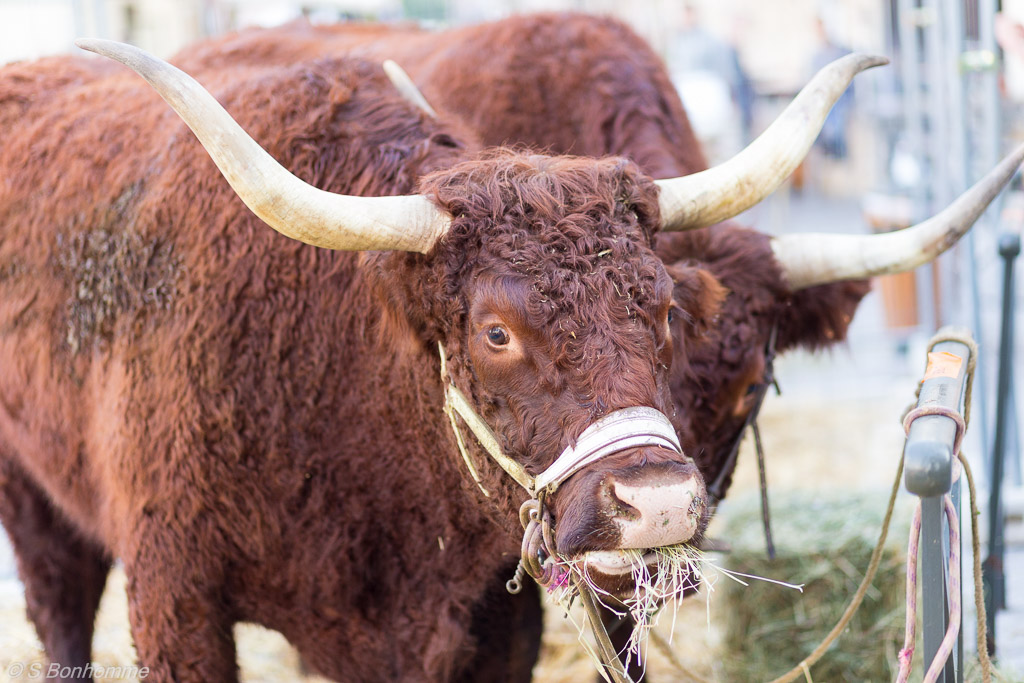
x=803 y=668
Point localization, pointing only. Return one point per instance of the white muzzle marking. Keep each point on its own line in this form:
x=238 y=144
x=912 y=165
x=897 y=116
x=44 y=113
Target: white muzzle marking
x=666 y=512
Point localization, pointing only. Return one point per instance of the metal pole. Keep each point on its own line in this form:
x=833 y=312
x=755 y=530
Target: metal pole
x=939 y=181
x=913 y=20
x=100 y=16
x=908 y=18
x=1013 y=437
x=952 y=299
x=76 y=10
x=985 y=66
x=993 y=575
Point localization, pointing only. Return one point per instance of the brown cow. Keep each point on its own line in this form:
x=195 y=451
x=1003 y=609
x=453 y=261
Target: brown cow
x=569 y=83
x=254 y=426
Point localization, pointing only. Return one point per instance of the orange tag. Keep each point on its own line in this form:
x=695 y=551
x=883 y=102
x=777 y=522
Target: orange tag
x=942 y=364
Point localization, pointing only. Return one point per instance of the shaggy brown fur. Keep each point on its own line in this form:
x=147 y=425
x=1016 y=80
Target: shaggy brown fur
x=253 y=425
x=205 y=435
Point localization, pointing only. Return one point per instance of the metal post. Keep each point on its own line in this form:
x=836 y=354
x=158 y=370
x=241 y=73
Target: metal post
x=939 y=131
x=928 y=458
x=916 y=18
x=993 y=575
x=985 y=129
x=955 y=269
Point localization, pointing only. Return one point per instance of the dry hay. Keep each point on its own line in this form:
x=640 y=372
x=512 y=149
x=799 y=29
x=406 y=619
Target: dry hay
x=824 y=542
x=655 y=600
x=564 y=660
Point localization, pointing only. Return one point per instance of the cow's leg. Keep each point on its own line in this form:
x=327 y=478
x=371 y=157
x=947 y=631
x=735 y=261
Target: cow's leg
x=63 y=572
x=507 y=629
x=176 y=605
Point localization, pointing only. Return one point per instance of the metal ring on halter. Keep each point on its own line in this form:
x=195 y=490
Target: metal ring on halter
x=529 y=511
x=547 y=530
x=550 y=572
x=533 y=543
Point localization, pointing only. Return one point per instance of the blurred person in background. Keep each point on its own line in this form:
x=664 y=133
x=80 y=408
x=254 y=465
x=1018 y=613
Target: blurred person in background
x=715 y=90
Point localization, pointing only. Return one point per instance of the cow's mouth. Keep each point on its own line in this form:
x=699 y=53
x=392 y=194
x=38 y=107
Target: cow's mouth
x=616 y=562
x=612 y=571
x=626 y=581
x=639 y=575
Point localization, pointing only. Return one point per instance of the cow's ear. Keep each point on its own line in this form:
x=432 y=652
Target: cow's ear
x=698 y=296
x=820 y=316
x=408 y=303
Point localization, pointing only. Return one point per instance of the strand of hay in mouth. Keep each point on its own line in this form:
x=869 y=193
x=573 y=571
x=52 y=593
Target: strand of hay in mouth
x=676 y=570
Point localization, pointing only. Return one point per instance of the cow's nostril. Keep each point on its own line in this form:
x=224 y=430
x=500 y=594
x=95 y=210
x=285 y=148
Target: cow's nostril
x=620 y=507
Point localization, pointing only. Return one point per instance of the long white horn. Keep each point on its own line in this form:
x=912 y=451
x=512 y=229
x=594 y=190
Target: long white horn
x=721 y=192
x=809 y=259
x=289 y=205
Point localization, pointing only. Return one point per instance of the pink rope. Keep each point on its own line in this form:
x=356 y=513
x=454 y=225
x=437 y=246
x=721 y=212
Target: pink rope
x=906 y=656
x=932 y=409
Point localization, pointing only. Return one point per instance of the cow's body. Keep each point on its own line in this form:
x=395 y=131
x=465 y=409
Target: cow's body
x=182 y=395
x=254 y=426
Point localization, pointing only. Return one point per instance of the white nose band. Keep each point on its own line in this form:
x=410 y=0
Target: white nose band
x=615 y=432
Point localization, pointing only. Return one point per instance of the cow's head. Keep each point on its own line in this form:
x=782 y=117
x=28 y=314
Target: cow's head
x=540 y=280
x=562 y=320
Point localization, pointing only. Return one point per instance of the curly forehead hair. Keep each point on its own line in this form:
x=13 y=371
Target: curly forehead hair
x=578 y=231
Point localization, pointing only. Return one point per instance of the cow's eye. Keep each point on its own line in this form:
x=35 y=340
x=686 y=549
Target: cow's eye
x=670 y=316
x=498 y=336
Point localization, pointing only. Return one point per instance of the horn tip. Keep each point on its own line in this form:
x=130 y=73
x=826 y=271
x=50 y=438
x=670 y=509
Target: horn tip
x=101 y=46
x=393 y=71
x=89 y=44
x=865 y=61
